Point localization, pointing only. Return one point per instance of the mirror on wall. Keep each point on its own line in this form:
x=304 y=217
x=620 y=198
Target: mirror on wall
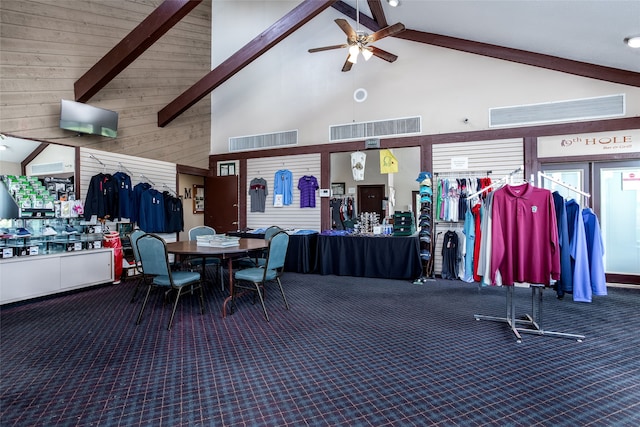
x=51 y=159
x=396 y=188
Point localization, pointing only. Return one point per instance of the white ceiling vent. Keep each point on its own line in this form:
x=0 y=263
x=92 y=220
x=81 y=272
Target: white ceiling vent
x=560 y=111
x=47 y=168
x=363 y=130
x=267 y=140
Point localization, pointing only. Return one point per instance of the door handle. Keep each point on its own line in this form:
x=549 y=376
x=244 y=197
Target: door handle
x=234 y=223
x=235 y=205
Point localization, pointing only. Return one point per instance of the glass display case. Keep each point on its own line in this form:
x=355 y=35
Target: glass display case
x=41 y=216
x=41 y=236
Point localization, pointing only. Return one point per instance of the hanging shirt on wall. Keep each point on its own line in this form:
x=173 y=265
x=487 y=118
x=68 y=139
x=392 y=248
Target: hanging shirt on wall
x=258 y=194
x=125 y=195
x=450 y=255
x=336 y=217
x=102 y=197
x=579 y=254
x=152 y=212
x=138 y=190
x=173 y=213
x=358 y=160
x=308 y=185
x=283 y=187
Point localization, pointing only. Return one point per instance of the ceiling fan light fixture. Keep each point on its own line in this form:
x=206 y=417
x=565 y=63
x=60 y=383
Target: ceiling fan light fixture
x=367 y=53
x=353 y=58
x=633 y=41
x=393 y=3
x=353 y=50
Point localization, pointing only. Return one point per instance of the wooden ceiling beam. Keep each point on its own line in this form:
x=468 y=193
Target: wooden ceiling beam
x=599 y=72
x=295 y=19
x=377 y=12
x=350 y=12
x=584 y=69
x=154 y=26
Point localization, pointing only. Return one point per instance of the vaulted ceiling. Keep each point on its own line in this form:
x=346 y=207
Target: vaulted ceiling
x=583 y=38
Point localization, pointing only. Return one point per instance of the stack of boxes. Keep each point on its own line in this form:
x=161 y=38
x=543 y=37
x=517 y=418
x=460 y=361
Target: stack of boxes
x=403 y=224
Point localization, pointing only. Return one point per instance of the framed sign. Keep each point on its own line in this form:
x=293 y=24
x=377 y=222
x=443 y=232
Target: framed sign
x=337 y=188
x=198 y=199
x=227 y=169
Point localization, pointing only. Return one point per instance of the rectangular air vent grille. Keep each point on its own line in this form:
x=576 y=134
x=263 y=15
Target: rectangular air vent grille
x=259 y=142
x=560 y=111
x=381 y=128
x=45 y=168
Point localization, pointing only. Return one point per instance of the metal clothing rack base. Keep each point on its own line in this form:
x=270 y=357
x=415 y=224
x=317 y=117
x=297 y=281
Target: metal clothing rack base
x=532 y=322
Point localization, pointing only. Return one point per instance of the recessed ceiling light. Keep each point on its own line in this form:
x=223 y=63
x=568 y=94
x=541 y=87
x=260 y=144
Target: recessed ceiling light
x=633 y=41
x=393 y=3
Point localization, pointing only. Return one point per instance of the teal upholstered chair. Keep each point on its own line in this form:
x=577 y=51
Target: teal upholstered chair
x=203 y=230
x=156 y=272
x=133 y=237
x=260 y=260
x=254 y=279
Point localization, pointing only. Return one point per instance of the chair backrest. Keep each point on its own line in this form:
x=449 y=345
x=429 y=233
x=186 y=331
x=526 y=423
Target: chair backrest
x=153 y=255
x=277 y=251
x=201 y=230
x=133 y=237
x=271 y=231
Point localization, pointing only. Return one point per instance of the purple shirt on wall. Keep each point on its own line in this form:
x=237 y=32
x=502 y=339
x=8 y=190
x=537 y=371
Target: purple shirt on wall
x=308 y=185
x=524 y=236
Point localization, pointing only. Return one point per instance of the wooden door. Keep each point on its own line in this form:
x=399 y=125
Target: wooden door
x=370 y=199
x=221 y=203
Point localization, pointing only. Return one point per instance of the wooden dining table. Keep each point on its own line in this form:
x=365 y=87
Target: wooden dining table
x=191 y=248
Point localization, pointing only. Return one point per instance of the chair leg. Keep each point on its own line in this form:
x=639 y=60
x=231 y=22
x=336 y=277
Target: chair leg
x=201 y=298
x=144 y=304
x=282 y=292
x=264 y=308
x=135 y=293
x=173 y=312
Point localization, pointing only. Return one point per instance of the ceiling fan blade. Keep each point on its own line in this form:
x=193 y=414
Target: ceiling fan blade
x=335 y=46
x=383 y=54
x=348 y=29
x=391 y=30
x=347 y=65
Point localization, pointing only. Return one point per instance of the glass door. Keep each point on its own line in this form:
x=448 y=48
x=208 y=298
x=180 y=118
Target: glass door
x=574 y=174
x=617 y=197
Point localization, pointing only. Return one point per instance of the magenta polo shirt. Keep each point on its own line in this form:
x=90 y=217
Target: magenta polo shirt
x=524 y=236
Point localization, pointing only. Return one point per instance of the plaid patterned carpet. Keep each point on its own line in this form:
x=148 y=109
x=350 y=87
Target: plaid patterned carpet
x=350 y=352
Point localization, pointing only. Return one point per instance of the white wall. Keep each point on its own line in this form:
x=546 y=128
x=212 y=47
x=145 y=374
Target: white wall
x=289 y=88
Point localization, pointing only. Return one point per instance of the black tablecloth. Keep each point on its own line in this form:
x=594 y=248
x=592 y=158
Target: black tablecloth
x=301 y=254
x=390 y=257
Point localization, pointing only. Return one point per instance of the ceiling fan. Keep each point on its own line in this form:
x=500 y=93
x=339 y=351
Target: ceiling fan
x=359 y=42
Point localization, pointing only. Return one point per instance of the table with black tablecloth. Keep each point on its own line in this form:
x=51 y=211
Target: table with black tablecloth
x=390 y=257
x=301 y=254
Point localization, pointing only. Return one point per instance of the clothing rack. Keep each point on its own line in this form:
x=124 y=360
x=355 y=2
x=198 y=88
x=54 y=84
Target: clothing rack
x=169 y=189
x=570 y=187
x=465 y=173
x=532 y=322
x=500 y=182
x=123 y=167
x=529 y=324
x=104 y=167
x=147 y=179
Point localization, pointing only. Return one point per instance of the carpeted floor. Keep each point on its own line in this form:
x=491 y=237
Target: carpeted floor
x=350 y=352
